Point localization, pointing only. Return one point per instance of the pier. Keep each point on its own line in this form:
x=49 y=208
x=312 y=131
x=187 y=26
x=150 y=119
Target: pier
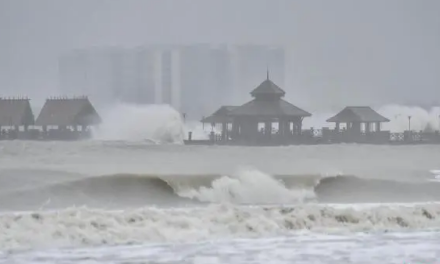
x=269 y=120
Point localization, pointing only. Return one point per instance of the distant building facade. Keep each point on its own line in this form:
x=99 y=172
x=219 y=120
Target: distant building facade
x=194 y=79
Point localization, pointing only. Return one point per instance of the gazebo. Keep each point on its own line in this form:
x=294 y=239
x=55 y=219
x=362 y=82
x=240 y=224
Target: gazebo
x=266 y=108
x=355 y=116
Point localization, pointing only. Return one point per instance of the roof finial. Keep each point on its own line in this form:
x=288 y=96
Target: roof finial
x=267 y=72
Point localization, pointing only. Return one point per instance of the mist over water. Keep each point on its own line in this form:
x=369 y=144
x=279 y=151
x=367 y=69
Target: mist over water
x=421 y=119
x=160 y=124
x=156 y=124
x=198 y=130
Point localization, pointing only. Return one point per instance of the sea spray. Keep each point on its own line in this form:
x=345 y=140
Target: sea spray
x=200 y=131
x=421 y=119
x=128 y=122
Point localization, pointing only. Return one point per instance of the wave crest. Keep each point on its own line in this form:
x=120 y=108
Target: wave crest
x=247 y=186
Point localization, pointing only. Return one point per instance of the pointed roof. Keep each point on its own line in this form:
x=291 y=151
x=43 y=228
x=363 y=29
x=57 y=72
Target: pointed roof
x=358 y=114
x=267 y=87
x=16 y=112
x=220 y=116
x=260 y=108
x=268 y=103
x=67 y=112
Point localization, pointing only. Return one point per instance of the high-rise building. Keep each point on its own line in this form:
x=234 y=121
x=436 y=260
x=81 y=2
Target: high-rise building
x=97 y=73
x=194 y=79
x=145 y=85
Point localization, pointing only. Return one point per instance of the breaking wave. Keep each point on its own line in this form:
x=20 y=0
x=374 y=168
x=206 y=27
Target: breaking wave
x=422 y=119
x=85 y=227
x=158 y=124
x=250 y=187
x=247 y=186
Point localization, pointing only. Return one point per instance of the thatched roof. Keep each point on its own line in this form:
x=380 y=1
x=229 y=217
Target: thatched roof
x=274 y=108
x=16 y=112
x=267 y=87
x=363 y=114
x=68 y=112
x=220 y=116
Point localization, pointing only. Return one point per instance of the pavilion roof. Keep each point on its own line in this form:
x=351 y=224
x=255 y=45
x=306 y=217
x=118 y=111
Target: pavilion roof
x=220 y=116
x=68 y=112
x=358 y=114
x=274 y=108
x=16 y=112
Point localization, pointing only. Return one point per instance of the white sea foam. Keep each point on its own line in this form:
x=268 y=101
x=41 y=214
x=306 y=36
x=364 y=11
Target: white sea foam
x=81 y=227
x=395 y=248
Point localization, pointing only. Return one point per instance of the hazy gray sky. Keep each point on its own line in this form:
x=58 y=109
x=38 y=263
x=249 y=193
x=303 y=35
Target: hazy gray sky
x=346 y=51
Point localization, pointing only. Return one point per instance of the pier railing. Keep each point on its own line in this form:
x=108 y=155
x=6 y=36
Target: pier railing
x=328 y=136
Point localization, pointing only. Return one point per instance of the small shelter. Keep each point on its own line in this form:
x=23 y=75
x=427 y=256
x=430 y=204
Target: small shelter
x=68 y=112
x=355 y=116
x=16 y=112
x=268 y=107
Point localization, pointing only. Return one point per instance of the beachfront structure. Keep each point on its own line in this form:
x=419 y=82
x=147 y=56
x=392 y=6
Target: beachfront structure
x=15 y=113
x=362 y=124
x=222 y=117
x=248 y=124
x=68 y=112
x=71 y=116
x=355 y=116
x=253 y=122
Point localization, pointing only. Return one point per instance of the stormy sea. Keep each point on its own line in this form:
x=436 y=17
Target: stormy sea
x=143 y=200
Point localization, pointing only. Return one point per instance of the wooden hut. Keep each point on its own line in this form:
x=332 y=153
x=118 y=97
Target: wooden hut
x=15 y=113
x=68 y=113
x=357 y=116
x=267 y=108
